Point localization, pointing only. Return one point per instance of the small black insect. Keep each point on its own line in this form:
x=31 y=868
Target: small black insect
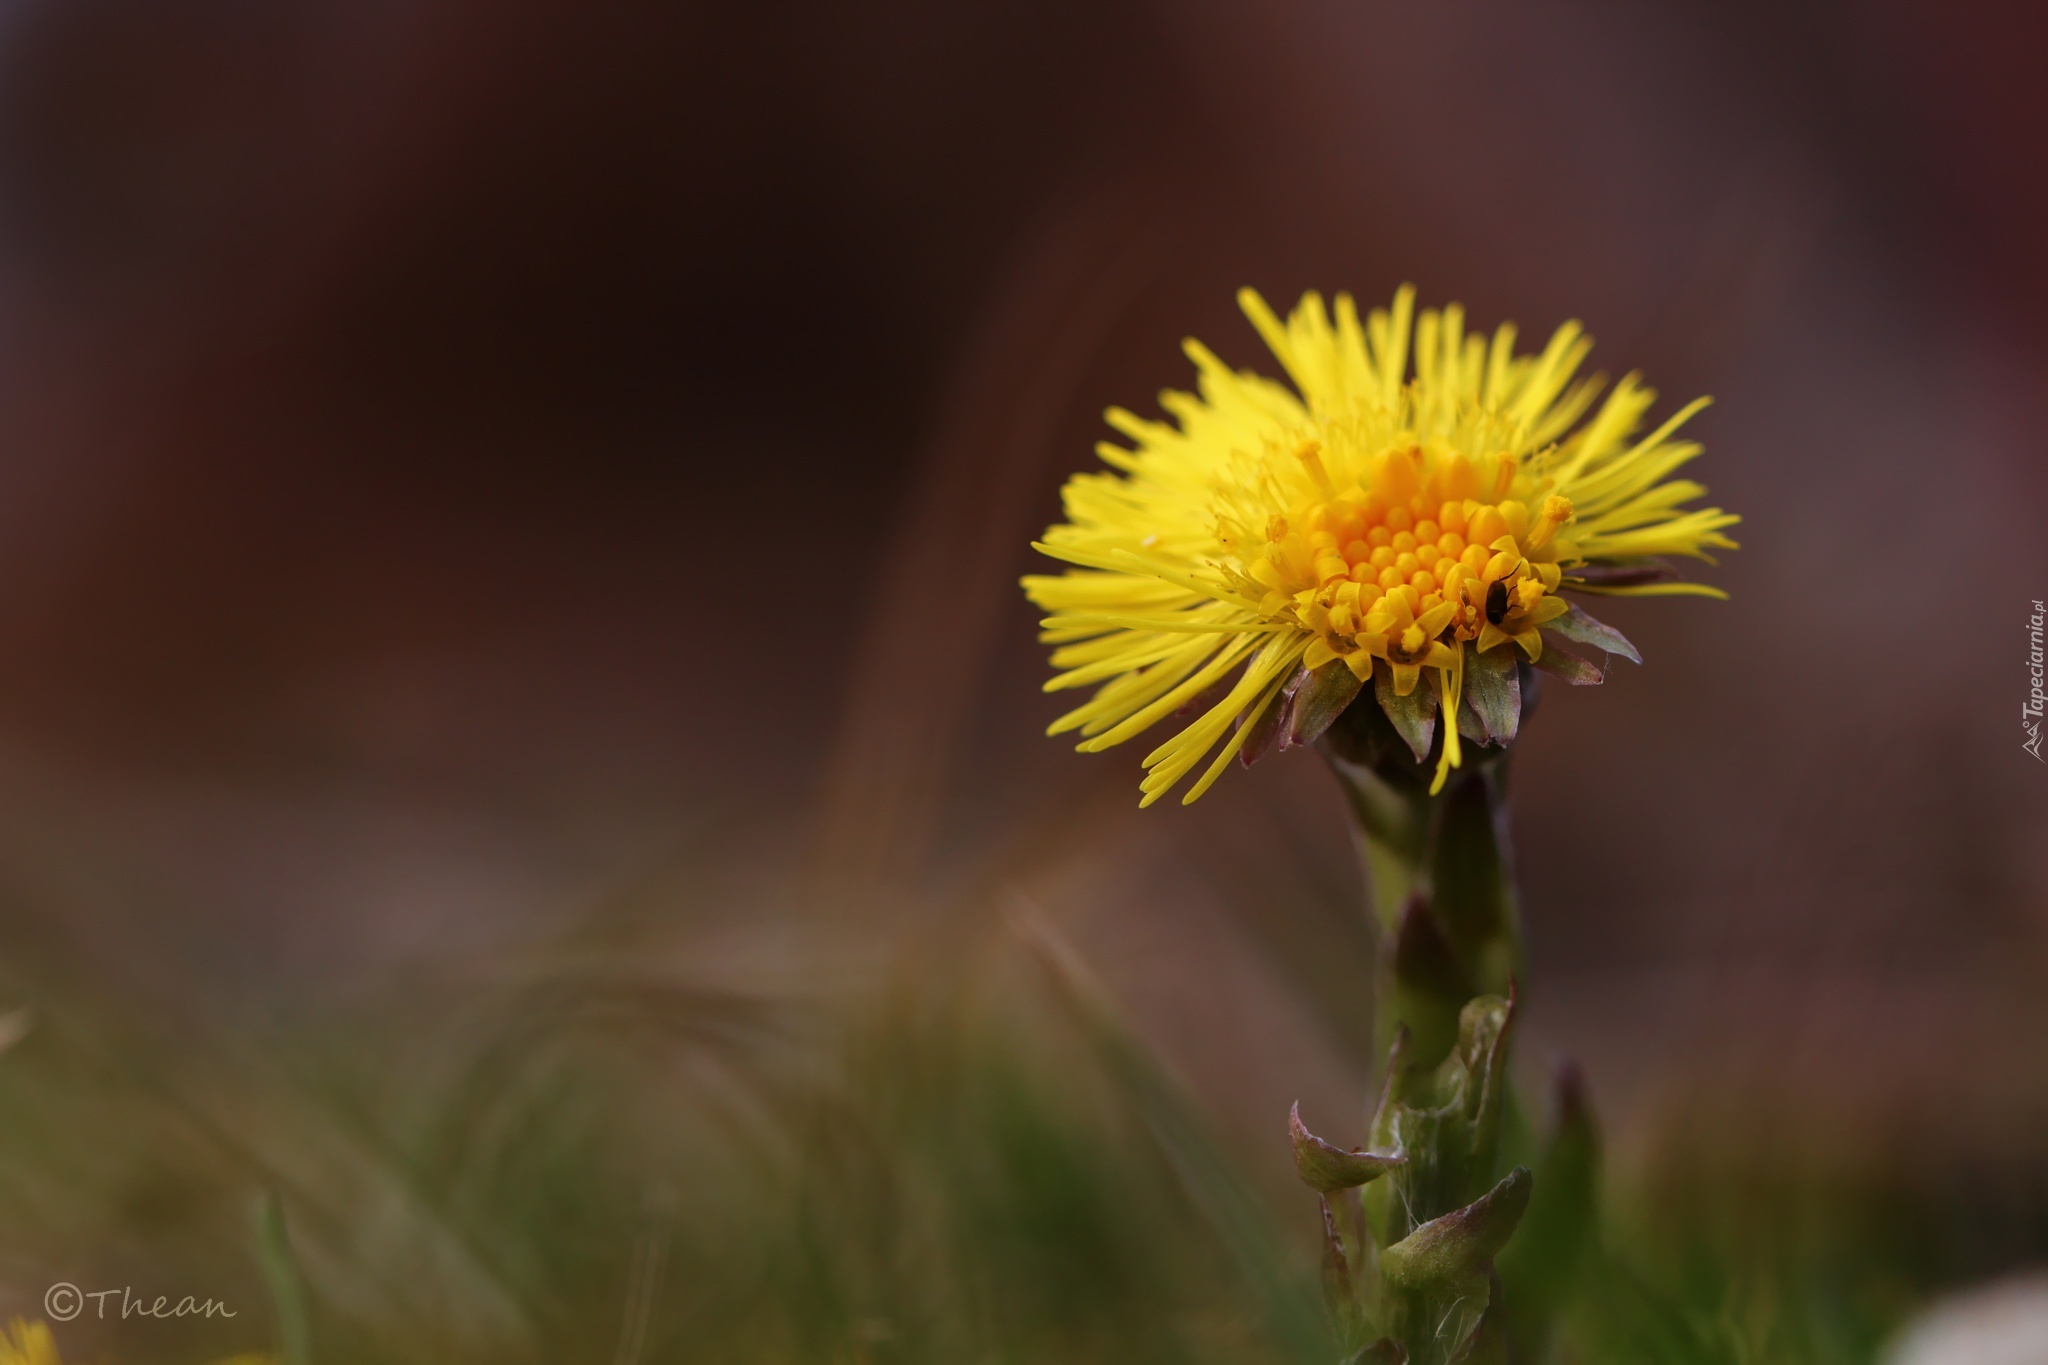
x=1497 y=601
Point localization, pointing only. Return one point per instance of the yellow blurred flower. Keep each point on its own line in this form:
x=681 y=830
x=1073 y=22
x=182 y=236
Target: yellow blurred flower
x=28 y=1343
x=1368 y=522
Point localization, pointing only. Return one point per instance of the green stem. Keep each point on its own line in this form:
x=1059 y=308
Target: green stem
x=1440 y=873
x=1420 y=1282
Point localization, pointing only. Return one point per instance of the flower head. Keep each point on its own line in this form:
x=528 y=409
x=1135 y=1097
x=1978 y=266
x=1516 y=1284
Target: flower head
x=1277 y=549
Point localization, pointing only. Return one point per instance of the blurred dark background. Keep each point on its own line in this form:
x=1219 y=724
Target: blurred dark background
x=461 y=463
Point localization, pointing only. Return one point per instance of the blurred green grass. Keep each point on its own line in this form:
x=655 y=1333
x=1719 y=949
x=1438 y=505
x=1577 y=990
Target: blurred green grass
x=591 y=1154
x=588 y=1156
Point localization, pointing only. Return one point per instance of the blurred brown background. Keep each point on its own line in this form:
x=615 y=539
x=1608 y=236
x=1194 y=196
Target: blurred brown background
x=465 y=463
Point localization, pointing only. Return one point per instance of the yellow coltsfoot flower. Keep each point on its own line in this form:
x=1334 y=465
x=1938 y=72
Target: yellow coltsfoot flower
x=1278 y=549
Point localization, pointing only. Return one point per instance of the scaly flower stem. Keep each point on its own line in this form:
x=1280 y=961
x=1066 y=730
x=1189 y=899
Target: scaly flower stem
x=1441 y=877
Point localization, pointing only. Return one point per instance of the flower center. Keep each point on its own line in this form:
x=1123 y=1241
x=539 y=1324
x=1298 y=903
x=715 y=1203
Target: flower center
x=1343 y=557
